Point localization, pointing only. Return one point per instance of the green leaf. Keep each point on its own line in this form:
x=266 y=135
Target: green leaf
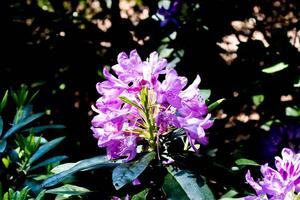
x=41 y=195
x=275 y=68
x=215 y=104
x=244 y=161
x=23 y=194
x=45 y=148
x=39 y=129
x=34 y=186
x=258 y=99
x=87 y=164
x=292 y=112
x=21 y=124
x=3 y=144
x=63 y=167
x=128 y=101
x=141 y=195
x=1 y=125
x=3 y=101
x=205 y=93
x=69 y=190
x=229 y=194
x=127 y=172
x=6 y=162
x=185 y=185
x=22 y=113
x=48 y=162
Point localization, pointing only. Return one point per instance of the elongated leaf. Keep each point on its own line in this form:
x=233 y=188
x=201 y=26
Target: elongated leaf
x=22 y=113
x=275 y=68
x=141 y=195
x=39 y=129
x=128 y=101
x=21 y=124
x=23 y=194
x=45 y=148
x=184 y=185
x=41 y=195
x=127 y=172
x=63 y=167
x=231 y=193
x=3 y=101
x=1 y=125
x=69 y=190
x=48 y=162
x=3 y=144
x=244 y=161
x=91 y=163
x=215 y=104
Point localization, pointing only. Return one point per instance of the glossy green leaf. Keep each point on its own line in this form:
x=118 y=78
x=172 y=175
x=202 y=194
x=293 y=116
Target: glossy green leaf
x=48 y=162
x=69 y=190
x=87 y=164
x=3 y=144
x=3 y=101
x=215 y=104
x=275 y=68
x=21 y=124
x=141 y=195
x=45 y=148
x=258 y=99
x=41 y=195
x=23 y=193
x=127 y=172
x=63 y=167
x=185 y=185
x=39 y=129
x=244 y=161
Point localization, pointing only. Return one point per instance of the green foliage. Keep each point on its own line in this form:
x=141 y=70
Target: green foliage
x=275 y=68
x=20 y=148
x=244 y=161
x=68 y=189
x=186 y=185
x=126 y=172
x=215 y=104
x=258 y=99
x=68 y=170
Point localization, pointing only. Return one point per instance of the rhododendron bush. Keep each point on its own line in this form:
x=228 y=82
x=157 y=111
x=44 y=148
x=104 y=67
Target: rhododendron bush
x=152 y=122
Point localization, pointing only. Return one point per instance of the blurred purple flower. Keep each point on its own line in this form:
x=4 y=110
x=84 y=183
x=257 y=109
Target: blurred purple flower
x=124 y=118
x=280 y=136
x=169 y=14
x=282 y=183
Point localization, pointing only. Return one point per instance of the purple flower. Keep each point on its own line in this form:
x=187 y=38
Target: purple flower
x=281 y=183
x=169 y=14
x=135 y=105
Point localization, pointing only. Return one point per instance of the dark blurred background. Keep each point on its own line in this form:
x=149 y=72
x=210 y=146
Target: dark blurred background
x=60 y=48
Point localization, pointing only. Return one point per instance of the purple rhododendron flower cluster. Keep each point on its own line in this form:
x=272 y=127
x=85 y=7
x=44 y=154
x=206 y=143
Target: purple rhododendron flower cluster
x=136 y=105
x=280 y=184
